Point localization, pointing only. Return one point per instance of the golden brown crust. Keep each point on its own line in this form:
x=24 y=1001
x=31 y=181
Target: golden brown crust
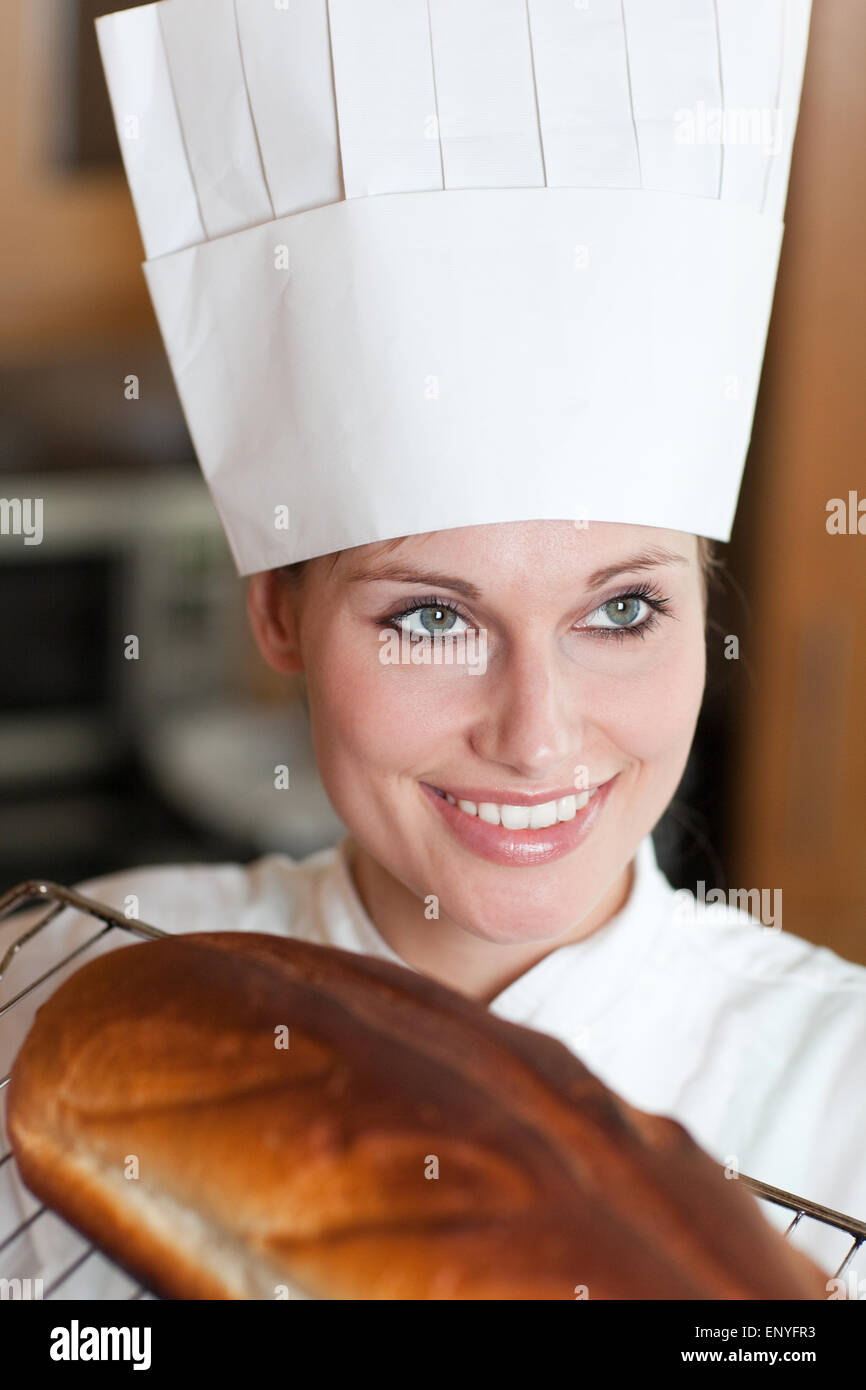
x=311 y=1166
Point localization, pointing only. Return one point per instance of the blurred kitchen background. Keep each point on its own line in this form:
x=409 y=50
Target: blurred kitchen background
x=107 y=763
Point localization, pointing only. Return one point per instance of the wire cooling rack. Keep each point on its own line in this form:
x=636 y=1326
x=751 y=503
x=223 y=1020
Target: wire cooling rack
x=60 y=1283
x=72 y=1255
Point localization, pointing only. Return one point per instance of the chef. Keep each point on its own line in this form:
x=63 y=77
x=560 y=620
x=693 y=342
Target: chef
x=467 y=320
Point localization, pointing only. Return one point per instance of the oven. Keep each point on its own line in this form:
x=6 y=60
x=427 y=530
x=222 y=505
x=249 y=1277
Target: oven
x=125 y=606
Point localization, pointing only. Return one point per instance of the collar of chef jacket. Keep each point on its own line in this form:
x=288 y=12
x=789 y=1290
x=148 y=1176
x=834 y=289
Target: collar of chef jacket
x=575 y=984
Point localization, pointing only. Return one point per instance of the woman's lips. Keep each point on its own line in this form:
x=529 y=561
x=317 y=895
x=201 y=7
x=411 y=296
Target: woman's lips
x=519 y=847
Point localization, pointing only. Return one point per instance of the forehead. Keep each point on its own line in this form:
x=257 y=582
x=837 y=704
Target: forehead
x=542 y=547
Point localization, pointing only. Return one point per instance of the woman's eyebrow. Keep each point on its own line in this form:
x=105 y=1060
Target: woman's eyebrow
x=403 y=574
x=651 y=558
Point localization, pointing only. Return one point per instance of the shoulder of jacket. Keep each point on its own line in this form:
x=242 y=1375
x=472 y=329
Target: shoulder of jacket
x=729 y=939
x=190 y=896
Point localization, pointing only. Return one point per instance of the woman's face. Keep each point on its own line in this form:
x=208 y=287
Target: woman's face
x=592 y=681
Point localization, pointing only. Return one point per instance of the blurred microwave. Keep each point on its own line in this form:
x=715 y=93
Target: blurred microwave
x=126 y=606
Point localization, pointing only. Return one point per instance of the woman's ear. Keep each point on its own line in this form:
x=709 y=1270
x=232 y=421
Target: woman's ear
x=272 y=610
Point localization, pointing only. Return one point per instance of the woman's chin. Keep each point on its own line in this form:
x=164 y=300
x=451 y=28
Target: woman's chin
x=521 y=929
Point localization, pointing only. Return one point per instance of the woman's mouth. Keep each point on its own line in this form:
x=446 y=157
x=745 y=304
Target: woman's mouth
x=520 y=833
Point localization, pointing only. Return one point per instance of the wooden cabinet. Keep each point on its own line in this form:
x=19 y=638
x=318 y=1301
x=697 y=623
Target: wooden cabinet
x=797 y=811
x=71 y=251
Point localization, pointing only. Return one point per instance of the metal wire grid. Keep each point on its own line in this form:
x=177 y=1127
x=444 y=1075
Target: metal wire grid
x=59 y=898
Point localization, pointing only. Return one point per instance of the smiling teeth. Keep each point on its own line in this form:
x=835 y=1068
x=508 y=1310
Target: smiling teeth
x=525 y=817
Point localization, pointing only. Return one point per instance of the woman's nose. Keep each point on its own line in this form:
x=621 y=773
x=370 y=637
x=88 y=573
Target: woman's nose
x=531 y=719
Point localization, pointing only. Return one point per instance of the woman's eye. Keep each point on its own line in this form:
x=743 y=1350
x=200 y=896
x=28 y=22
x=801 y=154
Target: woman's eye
x=624 y=612
x=436 y=620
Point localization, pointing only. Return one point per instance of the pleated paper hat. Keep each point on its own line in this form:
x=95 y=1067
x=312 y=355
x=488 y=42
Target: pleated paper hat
x=421 y=264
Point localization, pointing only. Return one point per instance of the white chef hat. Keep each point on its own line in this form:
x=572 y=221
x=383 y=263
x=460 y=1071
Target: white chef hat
x=421 y=264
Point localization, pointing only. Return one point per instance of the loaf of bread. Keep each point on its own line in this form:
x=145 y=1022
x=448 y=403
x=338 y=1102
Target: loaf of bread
x=238 y=1115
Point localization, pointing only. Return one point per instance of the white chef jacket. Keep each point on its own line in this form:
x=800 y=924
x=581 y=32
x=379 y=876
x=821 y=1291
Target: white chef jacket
x=752 y=1038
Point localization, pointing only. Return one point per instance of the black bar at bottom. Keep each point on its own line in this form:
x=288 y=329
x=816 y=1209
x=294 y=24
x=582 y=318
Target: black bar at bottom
x=255 y=1339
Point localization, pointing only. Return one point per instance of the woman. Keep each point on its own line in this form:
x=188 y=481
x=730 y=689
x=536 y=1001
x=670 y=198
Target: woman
x=486 y=380
x=594 y=677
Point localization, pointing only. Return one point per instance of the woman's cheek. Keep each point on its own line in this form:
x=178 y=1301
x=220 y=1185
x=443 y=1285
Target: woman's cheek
x=385 y=716
x=648 y=709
